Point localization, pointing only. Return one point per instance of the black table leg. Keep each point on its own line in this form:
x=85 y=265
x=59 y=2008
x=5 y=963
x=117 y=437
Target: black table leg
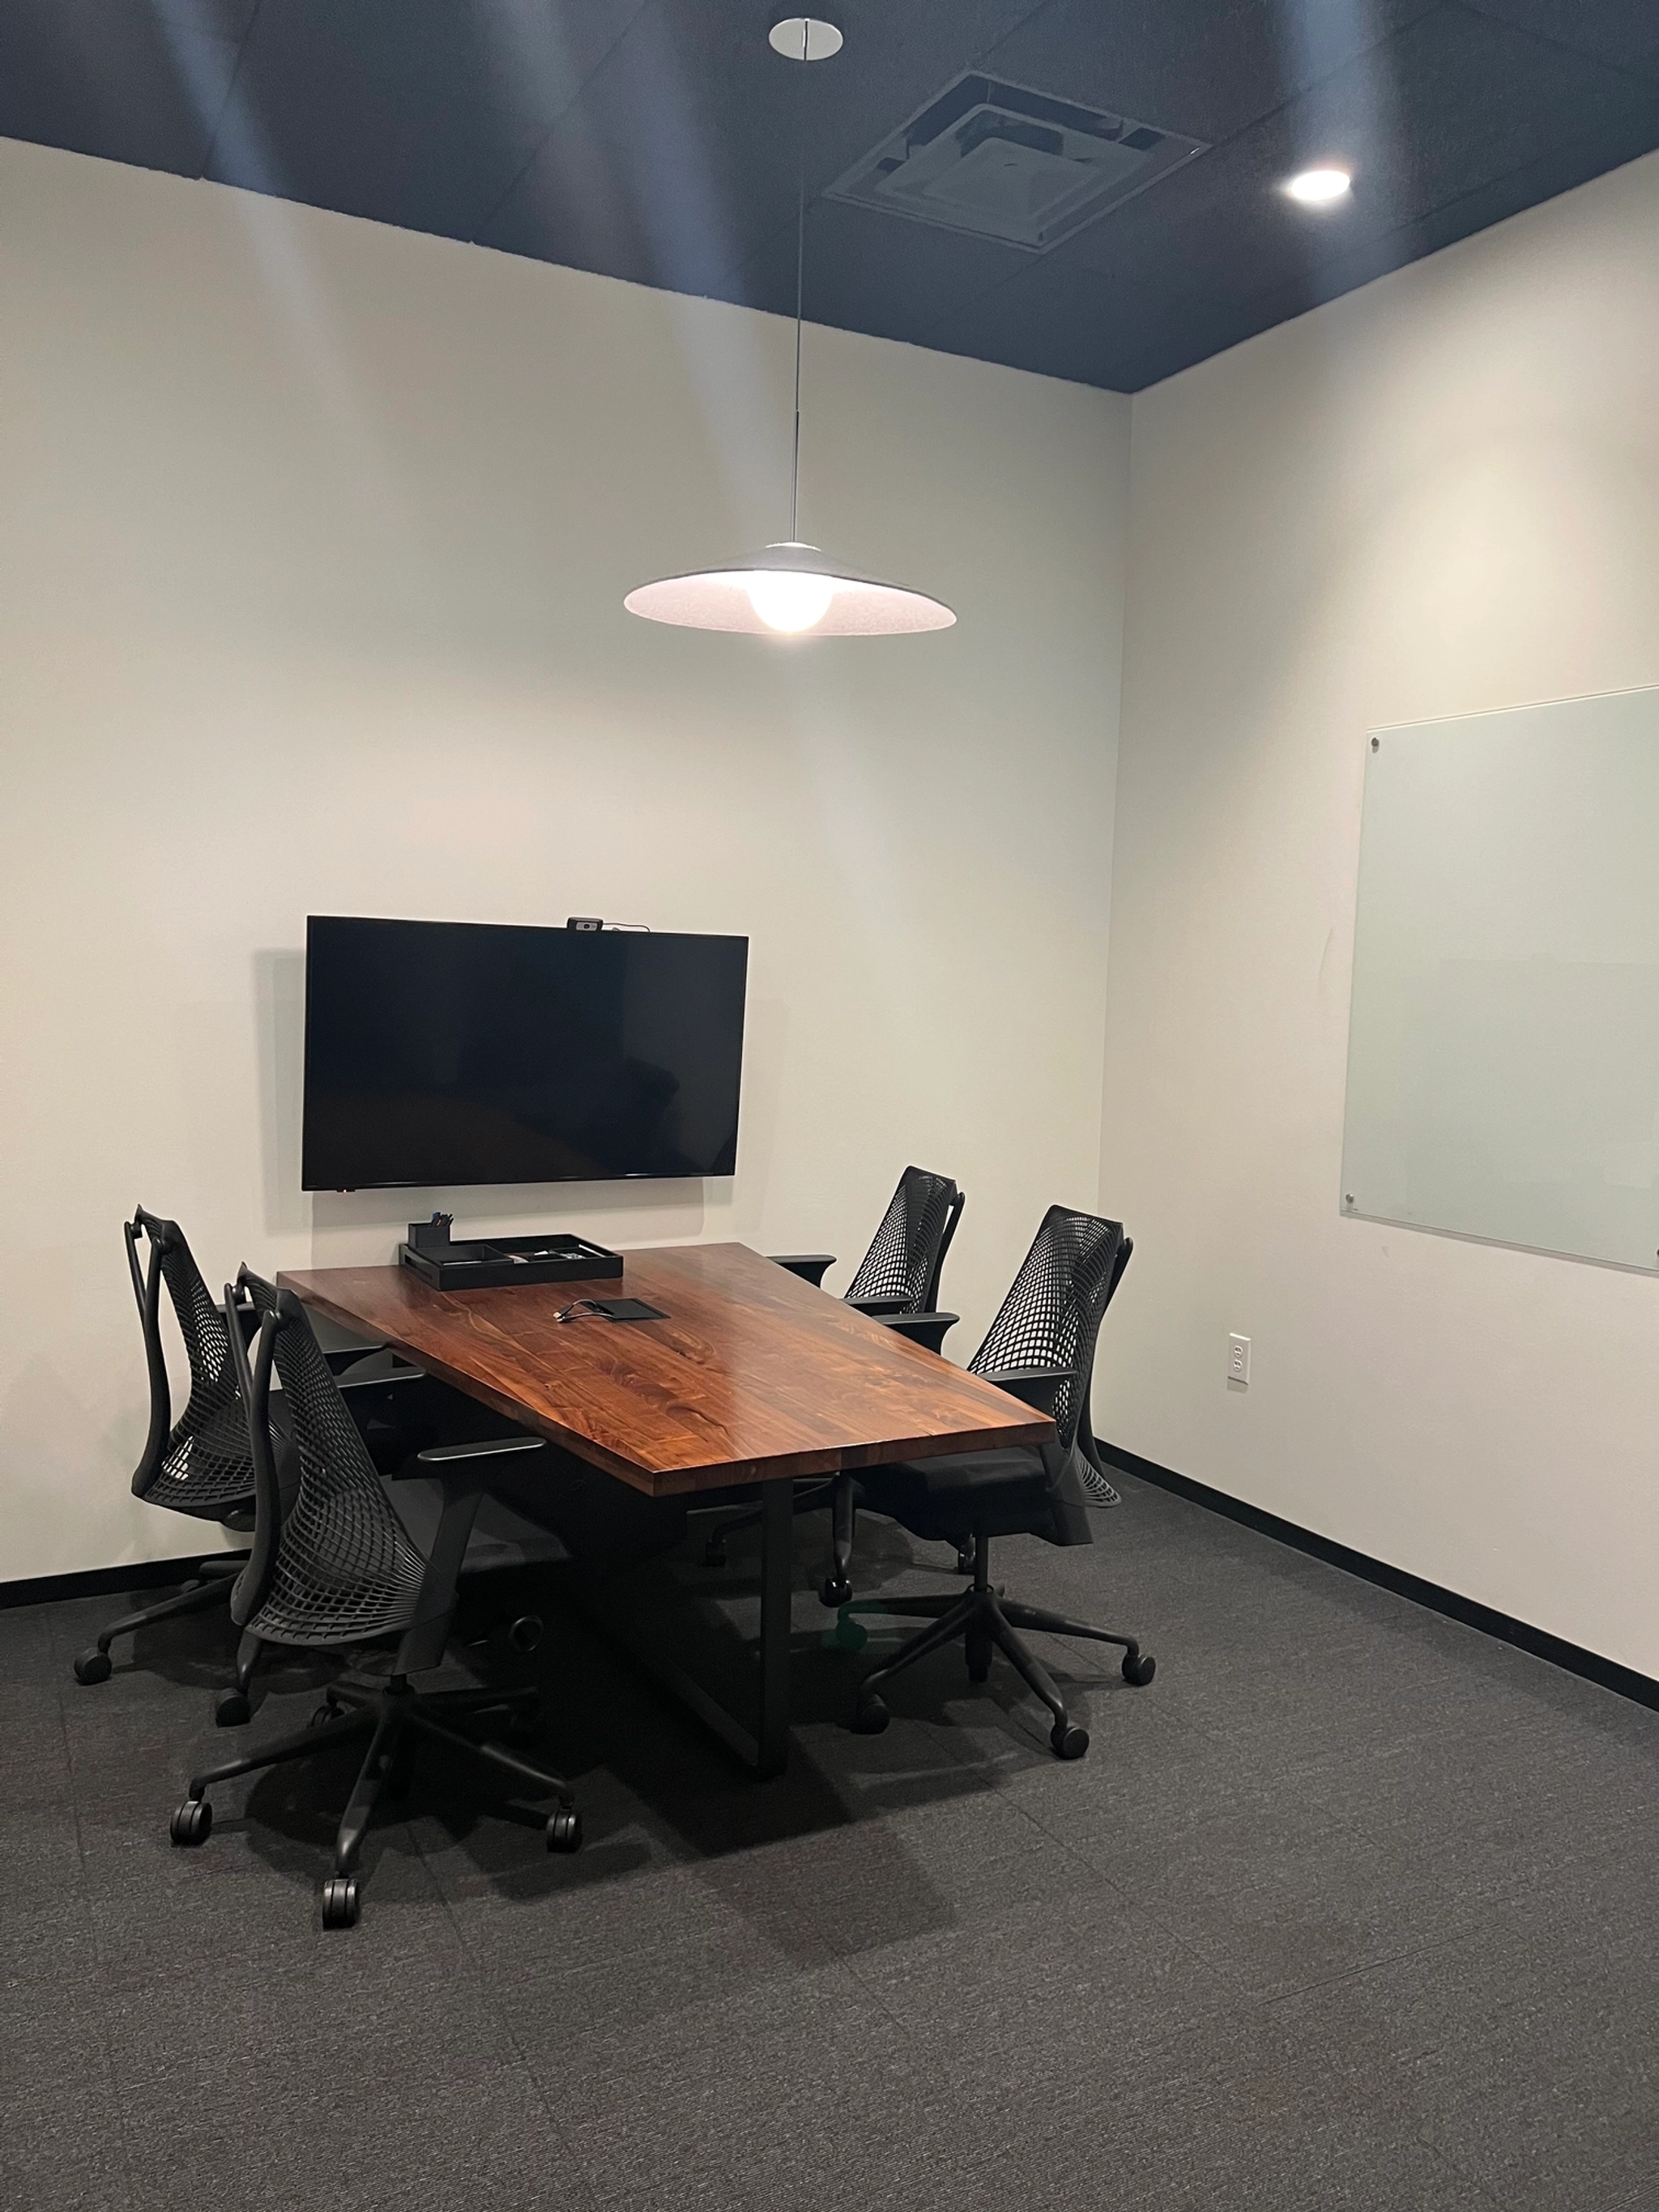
x=648 y=1638
x=777 y=1584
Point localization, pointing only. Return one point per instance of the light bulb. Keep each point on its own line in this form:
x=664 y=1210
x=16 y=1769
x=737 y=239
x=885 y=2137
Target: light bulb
x=790 y=600
x=1319 y=187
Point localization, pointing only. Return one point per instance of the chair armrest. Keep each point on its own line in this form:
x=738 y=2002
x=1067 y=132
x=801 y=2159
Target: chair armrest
x=348 y=1378
x=349 y=1357
x=486 y=1447
x=928 y=1329
x=877 y=1308
x=1038 y=1388
x=809 y=1265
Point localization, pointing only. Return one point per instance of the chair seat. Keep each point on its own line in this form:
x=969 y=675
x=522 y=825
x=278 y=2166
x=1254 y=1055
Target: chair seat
x=545 y=1508
x=501 y=1537
x=998 y=1493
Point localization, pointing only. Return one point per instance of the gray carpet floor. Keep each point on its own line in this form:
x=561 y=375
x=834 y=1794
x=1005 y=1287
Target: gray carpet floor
x=1352 y=1908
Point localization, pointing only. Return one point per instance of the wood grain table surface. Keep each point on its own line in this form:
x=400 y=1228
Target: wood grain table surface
x=752 y=1375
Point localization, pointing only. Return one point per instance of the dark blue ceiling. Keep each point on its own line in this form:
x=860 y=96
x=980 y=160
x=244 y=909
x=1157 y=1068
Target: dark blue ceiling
x=657 y=140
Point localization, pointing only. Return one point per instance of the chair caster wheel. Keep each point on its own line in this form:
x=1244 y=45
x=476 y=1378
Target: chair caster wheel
x=1139 y=1667
x=848 y=1634
x=1067 y=1739
x=525 y=1633
x=326 y=1713
x=835 y=1591
x=713 y=1552
x=231 y=1709
x=870 y=1716
x=979 y=1658
x=564 y=1830
x=341 y=1905
x=965 y=1558
x=192 y=1823
x=92 y=1666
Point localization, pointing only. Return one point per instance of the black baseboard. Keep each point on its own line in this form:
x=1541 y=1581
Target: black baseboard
x=98 y=1582
x=1642 y=1689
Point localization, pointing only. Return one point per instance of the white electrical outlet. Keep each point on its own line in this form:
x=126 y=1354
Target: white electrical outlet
x=1238 y=1358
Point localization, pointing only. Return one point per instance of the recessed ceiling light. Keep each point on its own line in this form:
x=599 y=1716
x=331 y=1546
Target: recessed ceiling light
x=1319 y=187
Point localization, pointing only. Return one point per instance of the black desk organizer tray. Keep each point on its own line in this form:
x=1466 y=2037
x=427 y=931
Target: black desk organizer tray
x=489 y=1264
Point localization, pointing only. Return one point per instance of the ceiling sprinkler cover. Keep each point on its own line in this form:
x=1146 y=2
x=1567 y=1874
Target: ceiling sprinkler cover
x=804 y=39
x=1003 y=161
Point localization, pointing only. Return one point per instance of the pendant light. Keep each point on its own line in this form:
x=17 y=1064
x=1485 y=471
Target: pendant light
x=791 y=589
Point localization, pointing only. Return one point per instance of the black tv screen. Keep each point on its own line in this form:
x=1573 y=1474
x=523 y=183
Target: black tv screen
x=456 y=1052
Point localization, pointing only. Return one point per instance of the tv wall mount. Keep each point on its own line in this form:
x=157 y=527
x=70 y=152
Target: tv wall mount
x=499 y=1262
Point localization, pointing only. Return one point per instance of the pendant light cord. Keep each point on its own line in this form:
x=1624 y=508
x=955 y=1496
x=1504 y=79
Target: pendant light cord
x=800 y=267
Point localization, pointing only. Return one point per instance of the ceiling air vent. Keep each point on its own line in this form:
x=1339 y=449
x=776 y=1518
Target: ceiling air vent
x=1003 y=161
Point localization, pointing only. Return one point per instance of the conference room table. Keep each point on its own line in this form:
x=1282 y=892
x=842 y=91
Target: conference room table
x=751 y=1376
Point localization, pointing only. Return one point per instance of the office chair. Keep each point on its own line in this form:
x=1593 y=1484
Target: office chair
x=336 y=1570
x=899 y=1275
x=1040 y=1348
x=399 y=1414
x=201 y=1466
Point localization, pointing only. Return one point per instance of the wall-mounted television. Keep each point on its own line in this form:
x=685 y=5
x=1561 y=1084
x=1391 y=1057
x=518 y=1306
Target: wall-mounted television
x=451 y=1051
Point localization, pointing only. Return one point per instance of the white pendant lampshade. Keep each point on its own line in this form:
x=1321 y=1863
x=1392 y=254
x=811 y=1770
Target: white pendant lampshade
x=791 y=589
x=788 y=591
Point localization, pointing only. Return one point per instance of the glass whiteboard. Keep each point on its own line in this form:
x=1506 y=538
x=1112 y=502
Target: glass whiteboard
x=1503 y=1039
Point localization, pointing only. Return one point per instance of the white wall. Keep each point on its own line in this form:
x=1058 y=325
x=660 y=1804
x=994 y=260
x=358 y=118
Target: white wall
x=1436 y=496
x=313 y=538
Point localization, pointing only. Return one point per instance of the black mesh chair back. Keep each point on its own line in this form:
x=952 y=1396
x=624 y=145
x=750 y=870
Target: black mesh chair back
x=335 y=1567
x=902 y=1266
x=1052 y=1315
x=202 y=1465
x=332 y=1565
